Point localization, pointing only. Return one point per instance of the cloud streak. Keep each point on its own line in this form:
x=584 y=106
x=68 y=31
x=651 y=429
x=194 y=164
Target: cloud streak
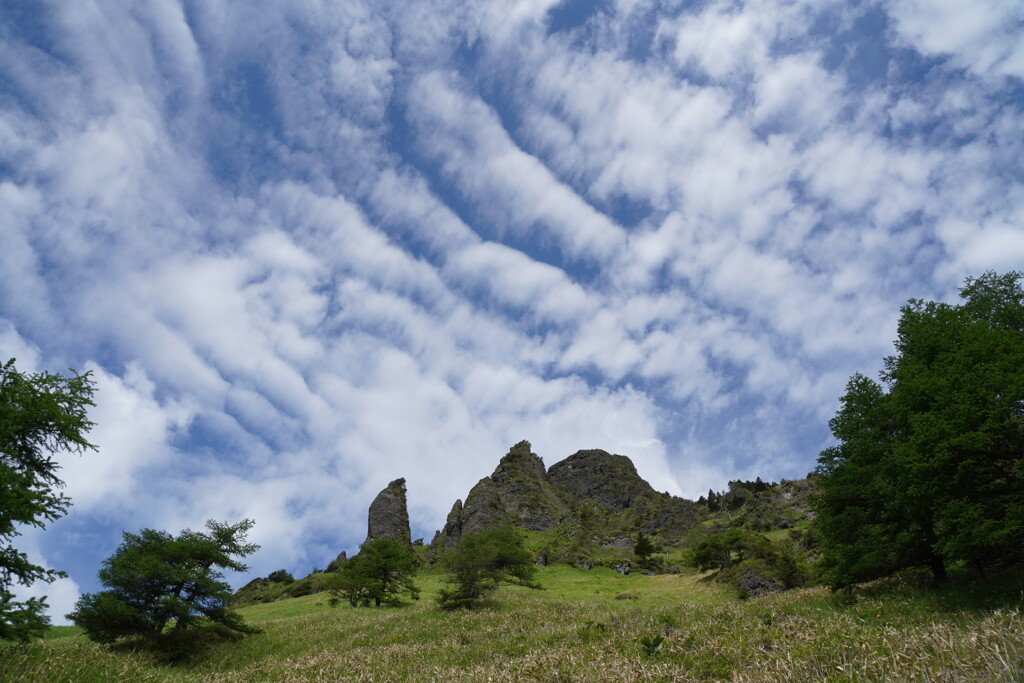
x=309 y=248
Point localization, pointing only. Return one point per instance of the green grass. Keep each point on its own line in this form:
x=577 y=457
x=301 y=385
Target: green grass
x=594 y=626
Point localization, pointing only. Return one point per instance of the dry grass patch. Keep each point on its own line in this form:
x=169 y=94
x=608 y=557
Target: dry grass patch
x=678 y=629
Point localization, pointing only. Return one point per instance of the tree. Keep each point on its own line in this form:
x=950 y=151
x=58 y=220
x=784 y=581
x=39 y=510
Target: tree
x=929 y=468
x=644 y=550
x=736 y=552
x=155 y=579
x=41 y=415
x=383 y=569
x=481 y=562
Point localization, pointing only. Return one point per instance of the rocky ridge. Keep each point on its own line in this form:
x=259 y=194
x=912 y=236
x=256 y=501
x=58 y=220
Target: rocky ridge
x=591 y=499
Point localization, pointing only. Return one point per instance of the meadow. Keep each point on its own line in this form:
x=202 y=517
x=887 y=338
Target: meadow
x=593 y=625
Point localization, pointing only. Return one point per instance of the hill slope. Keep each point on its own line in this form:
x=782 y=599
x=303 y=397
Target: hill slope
x=597 y=626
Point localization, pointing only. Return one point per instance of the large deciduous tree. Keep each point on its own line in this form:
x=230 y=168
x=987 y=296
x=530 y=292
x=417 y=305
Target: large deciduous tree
x=41 y=415
x=929 y=467
x=158 y=583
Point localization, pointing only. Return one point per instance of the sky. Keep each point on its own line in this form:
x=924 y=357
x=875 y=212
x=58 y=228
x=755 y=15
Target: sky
x=308 y=247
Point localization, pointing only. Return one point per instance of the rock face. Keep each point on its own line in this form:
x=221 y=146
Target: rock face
x=529 y=499
x=389 y=515
x=610 y=480
x=336 y=563
x=590 y=498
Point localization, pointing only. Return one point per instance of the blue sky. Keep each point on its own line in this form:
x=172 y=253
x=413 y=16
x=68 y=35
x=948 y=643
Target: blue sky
x=309 y=247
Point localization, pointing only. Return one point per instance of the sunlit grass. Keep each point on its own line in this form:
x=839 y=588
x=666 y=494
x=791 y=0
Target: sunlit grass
x=593 y=626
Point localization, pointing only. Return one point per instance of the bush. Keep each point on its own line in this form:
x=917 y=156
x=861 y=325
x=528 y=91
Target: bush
x=383 y=569
x=280 y=576
x=479 y=565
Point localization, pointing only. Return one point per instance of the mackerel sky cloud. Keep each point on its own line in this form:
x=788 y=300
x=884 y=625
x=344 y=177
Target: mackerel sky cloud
x=310 y=247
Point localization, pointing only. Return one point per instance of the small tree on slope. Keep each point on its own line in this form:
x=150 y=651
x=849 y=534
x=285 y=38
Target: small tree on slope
x=155 y=579
x=383 y=569
x=481 y=562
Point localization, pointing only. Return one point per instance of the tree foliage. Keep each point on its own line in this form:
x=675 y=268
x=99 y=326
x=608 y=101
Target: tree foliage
x=155 y=580
x=379 y=574
x=41 y=415
x=644 y=550
x=928 y=468
x=737 y=549
x=481 y=562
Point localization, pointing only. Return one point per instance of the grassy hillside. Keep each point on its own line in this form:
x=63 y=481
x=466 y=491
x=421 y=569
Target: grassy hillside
x=594 y=625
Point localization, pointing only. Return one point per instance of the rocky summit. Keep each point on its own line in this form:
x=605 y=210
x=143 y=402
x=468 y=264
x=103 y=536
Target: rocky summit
x=593 y=497
x=609 y=480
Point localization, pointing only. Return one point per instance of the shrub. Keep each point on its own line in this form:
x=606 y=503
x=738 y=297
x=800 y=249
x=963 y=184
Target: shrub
x=383 y=569
x=480 y=563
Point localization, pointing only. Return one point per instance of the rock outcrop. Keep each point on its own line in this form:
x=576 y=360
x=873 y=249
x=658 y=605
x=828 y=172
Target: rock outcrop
x=389 y=515
x=609 y=480
x=528 y=497
x=592 y=498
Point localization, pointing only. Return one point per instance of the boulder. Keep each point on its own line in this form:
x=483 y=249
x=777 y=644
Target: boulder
x=755 y=585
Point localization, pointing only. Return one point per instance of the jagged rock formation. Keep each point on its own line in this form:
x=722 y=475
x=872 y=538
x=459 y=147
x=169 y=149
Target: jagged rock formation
x=591 y=499
x=389 y=515
x=529 y=498
x=610 y=480
x=337 y=562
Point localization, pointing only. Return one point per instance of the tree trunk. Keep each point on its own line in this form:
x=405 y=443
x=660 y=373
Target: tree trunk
x=938 y=567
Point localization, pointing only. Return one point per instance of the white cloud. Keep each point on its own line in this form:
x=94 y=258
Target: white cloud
x=132 y=433
x=515 y=279
x=515 y=190
x=61 y=595
x=982 y=35
x=12 y=345
x=311 y=247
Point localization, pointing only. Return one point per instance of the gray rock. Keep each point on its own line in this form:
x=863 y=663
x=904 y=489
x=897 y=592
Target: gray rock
x=529 y=500
x=336 y=563
x=621 y=542
x=756 y=585
x=623 y=567
x=610 y=480
x=483 y=509
x=389 y=515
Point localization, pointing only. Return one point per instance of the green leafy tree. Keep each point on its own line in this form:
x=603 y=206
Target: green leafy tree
x=41 y=415
x=156 y=580
x=928 y=468
x=737 y=549
x=644 y=550
x=378 y=575
x=481 y=562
